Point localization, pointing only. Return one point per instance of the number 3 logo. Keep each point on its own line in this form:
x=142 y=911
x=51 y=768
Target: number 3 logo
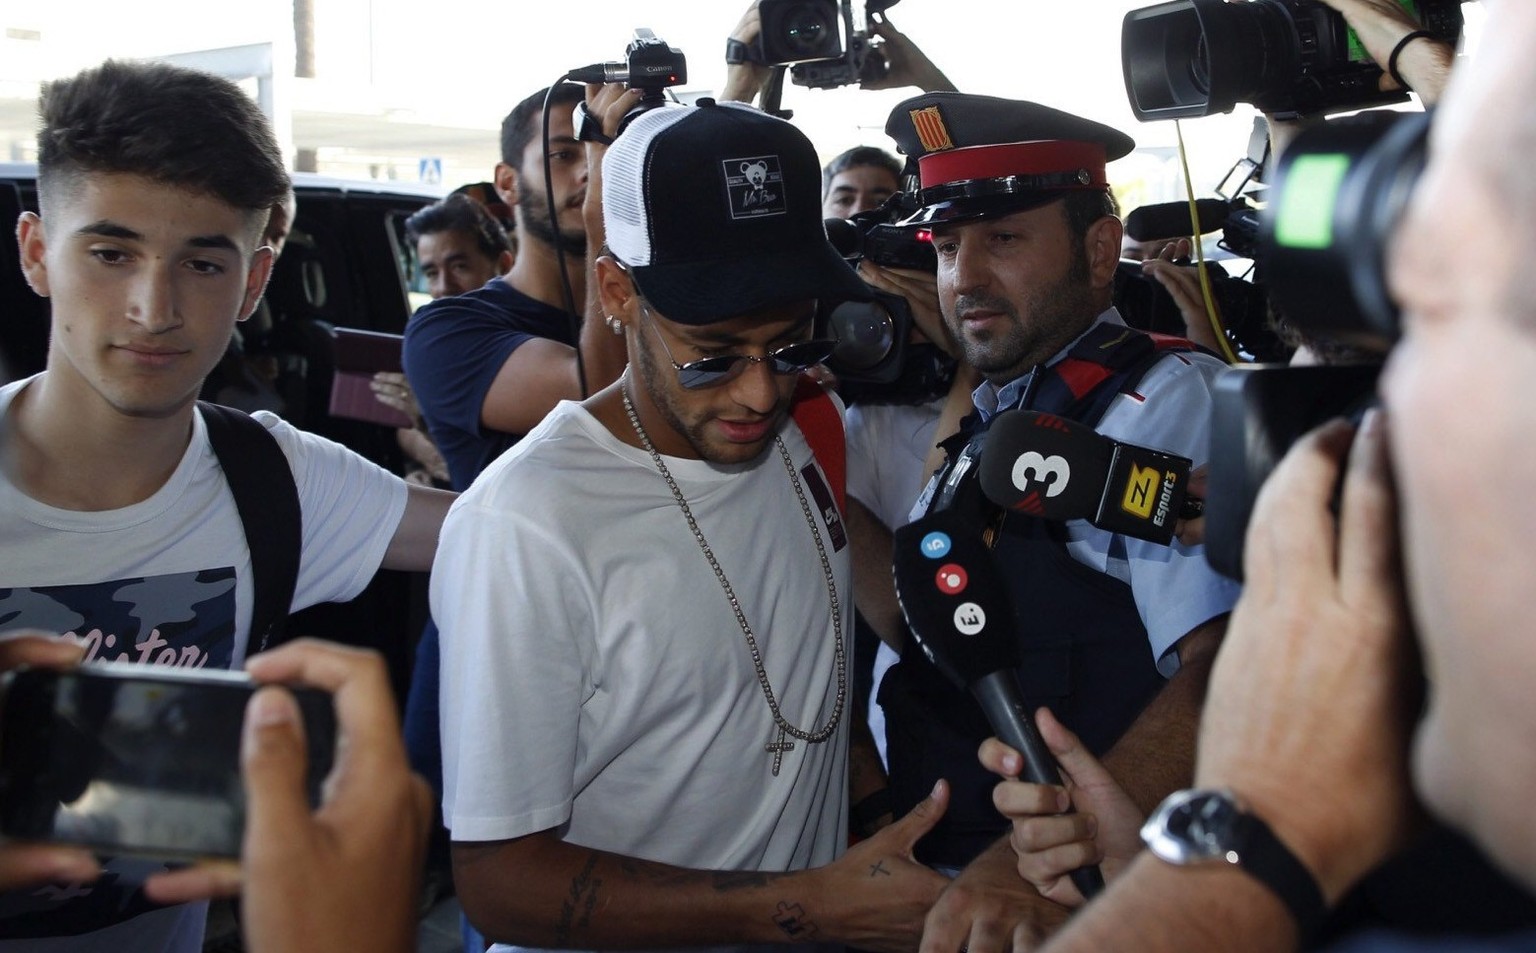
x=1053 y=471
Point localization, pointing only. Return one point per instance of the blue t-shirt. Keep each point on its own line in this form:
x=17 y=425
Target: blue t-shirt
x=454 y=348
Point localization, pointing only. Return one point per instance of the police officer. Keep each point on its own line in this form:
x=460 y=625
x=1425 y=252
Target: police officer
x=1116 y=633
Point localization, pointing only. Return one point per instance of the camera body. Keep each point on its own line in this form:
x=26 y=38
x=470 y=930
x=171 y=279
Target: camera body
x=1188 y=58
x=824 y=42
x=650 y=64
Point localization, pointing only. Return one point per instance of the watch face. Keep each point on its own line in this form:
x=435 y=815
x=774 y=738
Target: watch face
x=1195 y=825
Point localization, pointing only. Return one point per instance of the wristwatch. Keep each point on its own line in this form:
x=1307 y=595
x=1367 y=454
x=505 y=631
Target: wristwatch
x=1212 y=826
x=588 y=127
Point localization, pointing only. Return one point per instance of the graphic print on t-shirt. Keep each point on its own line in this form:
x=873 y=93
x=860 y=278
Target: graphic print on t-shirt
x=182 y=619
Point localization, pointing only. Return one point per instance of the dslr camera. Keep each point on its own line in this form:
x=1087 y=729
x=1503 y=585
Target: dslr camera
x=1188 y=58
x=824 y=42
x=875 y=360
x=1338 y=194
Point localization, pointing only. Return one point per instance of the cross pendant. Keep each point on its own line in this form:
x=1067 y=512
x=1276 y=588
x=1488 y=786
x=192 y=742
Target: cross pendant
x=778 y=748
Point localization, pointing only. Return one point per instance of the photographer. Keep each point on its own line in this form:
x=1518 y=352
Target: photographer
x=1314 y=718
x=906 y=64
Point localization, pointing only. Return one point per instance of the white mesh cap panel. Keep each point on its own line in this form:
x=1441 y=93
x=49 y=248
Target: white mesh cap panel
x=626 y=219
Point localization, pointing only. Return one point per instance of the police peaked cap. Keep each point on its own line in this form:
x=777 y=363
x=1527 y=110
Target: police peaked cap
x=982 y=156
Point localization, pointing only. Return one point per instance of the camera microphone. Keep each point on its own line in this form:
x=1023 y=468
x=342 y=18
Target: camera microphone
x=960 y=614
x=1171 y=219
x=600 y=73
x=1060 y=470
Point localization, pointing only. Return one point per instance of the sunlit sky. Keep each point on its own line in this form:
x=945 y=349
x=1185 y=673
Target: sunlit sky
x=466 y=62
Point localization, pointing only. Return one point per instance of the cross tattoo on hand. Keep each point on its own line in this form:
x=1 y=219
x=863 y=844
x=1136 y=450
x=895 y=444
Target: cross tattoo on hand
x=777 y=748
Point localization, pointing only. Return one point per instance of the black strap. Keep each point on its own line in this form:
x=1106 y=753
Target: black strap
x=268 y=501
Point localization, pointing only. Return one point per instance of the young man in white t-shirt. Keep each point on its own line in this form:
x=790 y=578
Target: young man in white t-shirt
x=116 y=521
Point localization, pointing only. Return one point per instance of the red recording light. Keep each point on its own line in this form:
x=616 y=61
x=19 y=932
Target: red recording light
x=924 y=235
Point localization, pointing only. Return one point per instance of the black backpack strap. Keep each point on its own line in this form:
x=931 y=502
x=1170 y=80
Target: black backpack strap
x=268 y=501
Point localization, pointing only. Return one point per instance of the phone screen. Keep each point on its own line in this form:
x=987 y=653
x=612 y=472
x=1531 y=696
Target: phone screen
x=133 y=760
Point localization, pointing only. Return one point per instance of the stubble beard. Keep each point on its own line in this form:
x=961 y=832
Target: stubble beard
x=540 y=224
x=1057 y=314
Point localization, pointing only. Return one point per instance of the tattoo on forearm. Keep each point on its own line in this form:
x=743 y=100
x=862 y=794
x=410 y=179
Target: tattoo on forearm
x=878 y=870
x=791 y=918
x=583 y=895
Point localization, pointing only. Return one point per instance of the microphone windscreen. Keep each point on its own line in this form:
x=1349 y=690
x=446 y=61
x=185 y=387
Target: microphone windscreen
x=1044 y=465
x=953 y=597
x=1171 y=219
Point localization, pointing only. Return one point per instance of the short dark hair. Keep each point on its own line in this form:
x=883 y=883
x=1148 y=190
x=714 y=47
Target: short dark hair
x=1086 y=207
x=460 y=213
x=855 y=158
x=170 y=124
x=518 y=129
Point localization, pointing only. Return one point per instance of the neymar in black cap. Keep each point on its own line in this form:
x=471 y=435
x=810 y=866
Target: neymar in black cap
x=1015 y=197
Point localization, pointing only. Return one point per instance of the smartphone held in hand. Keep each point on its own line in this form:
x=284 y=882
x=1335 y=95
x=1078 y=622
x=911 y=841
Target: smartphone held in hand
x=137 y=760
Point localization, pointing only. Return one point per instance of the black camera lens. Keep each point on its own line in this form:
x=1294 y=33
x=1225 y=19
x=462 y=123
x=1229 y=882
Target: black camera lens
x=865 y=335
x=806 y=28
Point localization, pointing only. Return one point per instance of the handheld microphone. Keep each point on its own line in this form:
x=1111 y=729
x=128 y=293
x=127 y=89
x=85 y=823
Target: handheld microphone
x=1061 y=470
x=1171 y=219
x=959 y=611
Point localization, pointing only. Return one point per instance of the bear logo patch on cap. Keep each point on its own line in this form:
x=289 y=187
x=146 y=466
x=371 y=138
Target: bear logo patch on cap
x=931 y=131
x=755 y=186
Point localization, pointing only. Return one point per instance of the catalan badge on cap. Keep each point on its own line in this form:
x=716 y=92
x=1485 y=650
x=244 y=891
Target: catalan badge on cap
x=930 y=128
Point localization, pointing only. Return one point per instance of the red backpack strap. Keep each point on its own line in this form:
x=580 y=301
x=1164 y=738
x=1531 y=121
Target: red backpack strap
x=817 y=416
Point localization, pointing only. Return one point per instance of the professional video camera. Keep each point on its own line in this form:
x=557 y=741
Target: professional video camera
x=1290 y=58
x=875 y=360
x=825 y=42
x=1338 y=194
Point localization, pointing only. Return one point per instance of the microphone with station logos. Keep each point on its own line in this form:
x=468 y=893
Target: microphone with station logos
x=1057 y=469
x=960 y=613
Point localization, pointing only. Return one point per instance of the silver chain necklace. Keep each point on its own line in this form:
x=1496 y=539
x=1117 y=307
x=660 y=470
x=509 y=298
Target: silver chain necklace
x=778 y=746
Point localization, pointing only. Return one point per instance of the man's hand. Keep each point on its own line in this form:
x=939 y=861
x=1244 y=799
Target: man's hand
x=1050 y=844
x=1182 y=281
x=1314 y=690
x=744 y=81
x=906 y=63
x=1191 y=532
x=346 y=875
x=988 y=907
x=31 y=865
x=921 y=290
x=1425 y=63
x=880 y=891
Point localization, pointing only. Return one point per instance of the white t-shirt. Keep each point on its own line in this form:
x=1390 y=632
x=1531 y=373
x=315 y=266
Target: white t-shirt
x=594 y=677
x=167 y=581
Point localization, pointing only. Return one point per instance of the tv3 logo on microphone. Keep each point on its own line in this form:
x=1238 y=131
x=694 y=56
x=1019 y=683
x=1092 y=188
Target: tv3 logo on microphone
x=1033 y=471
x=1146 y=486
